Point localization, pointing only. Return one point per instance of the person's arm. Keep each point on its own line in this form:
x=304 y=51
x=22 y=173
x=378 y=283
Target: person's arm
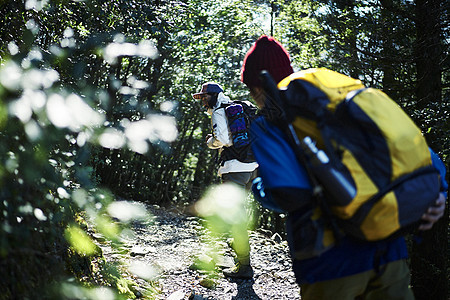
x=436 y=211
x=221 y=134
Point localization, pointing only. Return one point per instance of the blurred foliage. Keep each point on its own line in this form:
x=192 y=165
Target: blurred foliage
x=226 y=211
x=53 y=117
x=90 y=91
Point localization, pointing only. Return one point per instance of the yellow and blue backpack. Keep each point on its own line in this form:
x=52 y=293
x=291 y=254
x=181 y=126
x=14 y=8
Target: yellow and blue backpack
x=372 y=142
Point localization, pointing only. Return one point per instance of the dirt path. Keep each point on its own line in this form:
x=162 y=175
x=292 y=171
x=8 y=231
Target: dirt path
x=168 y=246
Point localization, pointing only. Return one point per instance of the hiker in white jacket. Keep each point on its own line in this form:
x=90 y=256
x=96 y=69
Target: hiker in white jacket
x=234 y=167
x=231 y=169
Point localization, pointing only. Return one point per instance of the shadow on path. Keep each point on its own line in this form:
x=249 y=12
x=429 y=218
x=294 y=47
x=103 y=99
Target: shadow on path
x=245 y=290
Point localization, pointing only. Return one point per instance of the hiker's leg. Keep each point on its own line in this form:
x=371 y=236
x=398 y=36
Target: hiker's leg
x=241 y=240
x=345 y=288
x=392 y=283
x=240 y=244
x=253 y=175
x=239 y=178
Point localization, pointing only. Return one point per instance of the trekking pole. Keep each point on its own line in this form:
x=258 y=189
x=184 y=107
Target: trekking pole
x=275 y=104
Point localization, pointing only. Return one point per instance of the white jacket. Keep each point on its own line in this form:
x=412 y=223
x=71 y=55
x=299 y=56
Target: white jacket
x=222 y=138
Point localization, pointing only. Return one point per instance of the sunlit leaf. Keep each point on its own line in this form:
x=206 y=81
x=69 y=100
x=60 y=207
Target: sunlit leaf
x=13 y=48
x=72 y=291
x=137 y=134
x=80 y=241
x=127 y=211
x=145 y=48
x=11 y=162
x=101 y=293
x=26 y=209
x=167 y=106
x=39 y=214
x=33 y=130
x=112 y=138
x=107 y=227
x=21 y=109
x=80 y=197
x=31 y=24
x=225 y=202
x=83 y=114
x=72 y=112
x=58 y=112
x=68 y=32
x=223 y=208
x=35 y=4
x=10 y=75
x=137 y=84
x=143 y=270
x=164 y=127
x=3 y=115
x=63 y=193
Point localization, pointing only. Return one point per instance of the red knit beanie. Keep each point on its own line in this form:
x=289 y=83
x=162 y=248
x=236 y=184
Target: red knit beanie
x=266 y=54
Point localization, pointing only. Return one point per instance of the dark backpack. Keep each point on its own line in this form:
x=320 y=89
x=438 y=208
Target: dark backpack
x=240 y=115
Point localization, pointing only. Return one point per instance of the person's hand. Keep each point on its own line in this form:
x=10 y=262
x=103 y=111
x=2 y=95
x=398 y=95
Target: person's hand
x=208 y=136
x=433 y=213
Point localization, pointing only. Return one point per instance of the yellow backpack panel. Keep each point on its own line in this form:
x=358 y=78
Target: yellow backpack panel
x=334 y=84
x=376 y=145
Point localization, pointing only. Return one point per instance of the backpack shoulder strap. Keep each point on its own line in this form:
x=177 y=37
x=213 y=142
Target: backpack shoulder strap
x=243 y=102
x=223 y=105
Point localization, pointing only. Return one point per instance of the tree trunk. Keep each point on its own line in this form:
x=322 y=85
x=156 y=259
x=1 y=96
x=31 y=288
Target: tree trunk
x=429 y=262
x=388 y=68
x=428 y=52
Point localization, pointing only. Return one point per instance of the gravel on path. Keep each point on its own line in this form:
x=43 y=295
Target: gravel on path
x=169 y=245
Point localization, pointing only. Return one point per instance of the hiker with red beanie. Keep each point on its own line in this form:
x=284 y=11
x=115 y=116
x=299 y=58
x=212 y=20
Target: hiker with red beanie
x=347 y=268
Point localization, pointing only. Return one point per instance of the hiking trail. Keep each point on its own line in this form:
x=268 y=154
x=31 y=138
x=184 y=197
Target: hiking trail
x=170 y=244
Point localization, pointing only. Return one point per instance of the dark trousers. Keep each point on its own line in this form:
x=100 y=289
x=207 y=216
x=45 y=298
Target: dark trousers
x=392 y=283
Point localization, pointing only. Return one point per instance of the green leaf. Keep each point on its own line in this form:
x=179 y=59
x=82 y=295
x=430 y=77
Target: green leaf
x=80 y=241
